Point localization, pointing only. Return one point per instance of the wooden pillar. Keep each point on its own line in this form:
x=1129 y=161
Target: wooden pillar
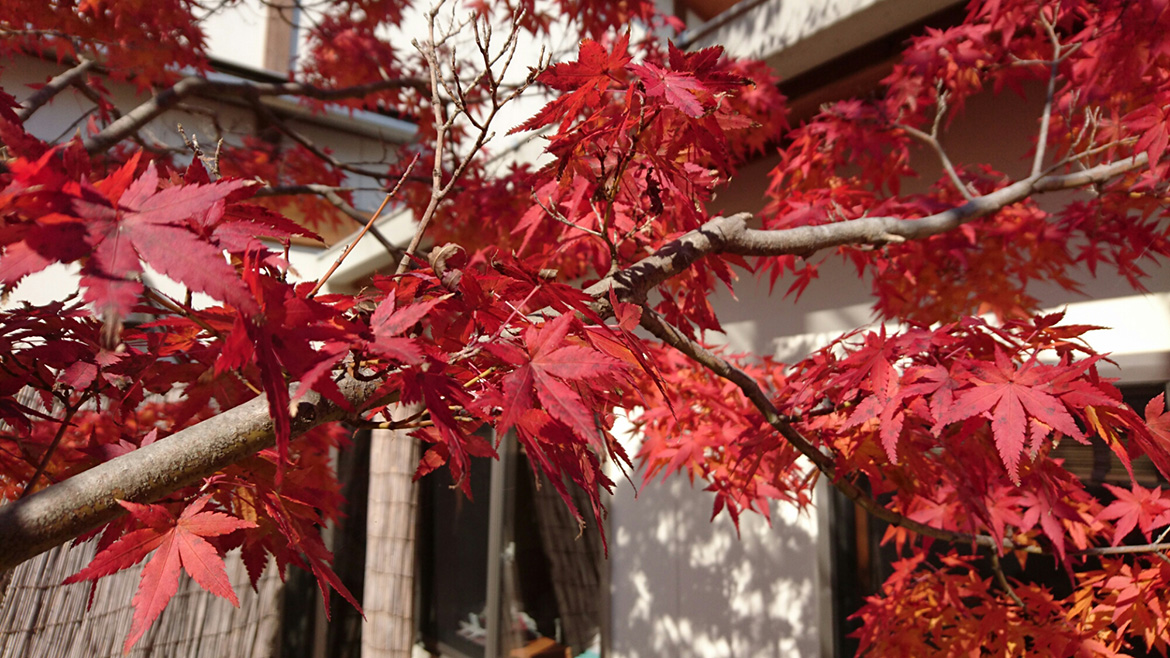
x=390 y=536
x=280 y=36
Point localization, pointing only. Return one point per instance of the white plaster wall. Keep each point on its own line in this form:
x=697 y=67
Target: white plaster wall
x=684 y=585
x=237 y=33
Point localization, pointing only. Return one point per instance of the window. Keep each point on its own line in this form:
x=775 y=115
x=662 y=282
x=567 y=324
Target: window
x=507 y=573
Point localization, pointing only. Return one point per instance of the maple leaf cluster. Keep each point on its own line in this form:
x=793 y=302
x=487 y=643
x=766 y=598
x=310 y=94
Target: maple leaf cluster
x=558 y=294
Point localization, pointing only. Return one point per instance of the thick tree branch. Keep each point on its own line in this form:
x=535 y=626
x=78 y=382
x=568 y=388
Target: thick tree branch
x=129 y=123
x=806 y=240
x=824 y=463
x=731 y=235
x=54 y=87
x=88 y=500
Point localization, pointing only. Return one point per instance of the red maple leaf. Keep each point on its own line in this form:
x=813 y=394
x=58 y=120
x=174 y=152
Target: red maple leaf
x=1013 y=397
x=692 y=77
x=681 y=90
x=390 y=320
x=1142 y=508
x=1158 y=420
x=179 y=542
x=543 y=373
x=584 y=80
x=141 y=222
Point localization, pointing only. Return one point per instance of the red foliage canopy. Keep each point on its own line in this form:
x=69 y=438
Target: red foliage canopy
x=567 y=291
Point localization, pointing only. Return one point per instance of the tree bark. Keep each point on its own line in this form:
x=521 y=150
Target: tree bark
x=89 y=500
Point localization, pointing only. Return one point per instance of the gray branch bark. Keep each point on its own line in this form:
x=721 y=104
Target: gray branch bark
x=88 y=500
x=131 y=122
x=54 y=87
x=730 y=234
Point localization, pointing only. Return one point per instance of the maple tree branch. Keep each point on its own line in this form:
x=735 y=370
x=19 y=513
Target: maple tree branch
x=1046 y=114
x=130 y=122
x=931 y=140
x=54 y=87
x=179 y=309
x=750 y=388
x=634 y=282
x=1156 y=547
x=70 y=410
x=730 y=234
x=806 y=240
x=88 y=500
x=1001 y=578
x=429 y=51
x=330 y=194
x=367 y=227
x=556 y=214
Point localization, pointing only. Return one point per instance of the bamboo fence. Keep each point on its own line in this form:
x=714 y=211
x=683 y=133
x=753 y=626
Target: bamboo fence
x=41 y=617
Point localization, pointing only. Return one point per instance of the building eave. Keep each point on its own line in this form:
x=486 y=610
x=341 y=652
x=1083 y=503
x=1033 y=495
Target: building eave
x=364 y=123
x=796 y=37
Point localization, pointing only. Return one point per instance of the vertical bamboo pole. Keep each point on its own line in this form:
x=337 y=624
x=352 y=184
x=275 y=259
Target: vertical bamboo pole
x=389 y=580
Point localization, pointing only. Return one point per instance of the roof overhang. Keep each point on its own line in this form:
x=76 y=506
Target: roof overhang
x=794 y=37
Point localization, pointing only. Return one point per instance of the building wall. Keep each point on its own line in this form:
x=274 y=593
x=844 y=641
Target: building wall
x=688 y=587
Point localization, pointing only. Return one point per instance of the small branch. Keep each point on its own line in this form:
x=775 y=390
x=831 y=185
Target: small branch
x=439 y=190
x=69 y=411
x=54 y=87
x=428 y=51
x=373 y=218
x=1123 y=550
x=1001 y=578
x=179 y=309
x=165 y=99
x=331 y=195
x=555 y=214
x=1046 y=114
x=824 y=463
x=931 y=140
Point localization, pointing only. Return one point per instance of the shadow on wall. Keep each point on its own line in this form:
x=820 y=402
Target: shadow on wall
x=683 y=585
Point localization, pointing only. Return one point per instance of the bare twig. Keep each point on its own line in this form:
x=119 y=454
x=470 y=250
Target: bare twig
x=556 y=214
x=64 y=425
x=373 y=218
x=933 y=142
x=443 y=124
x=1001 y=578
x=1046 y=114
